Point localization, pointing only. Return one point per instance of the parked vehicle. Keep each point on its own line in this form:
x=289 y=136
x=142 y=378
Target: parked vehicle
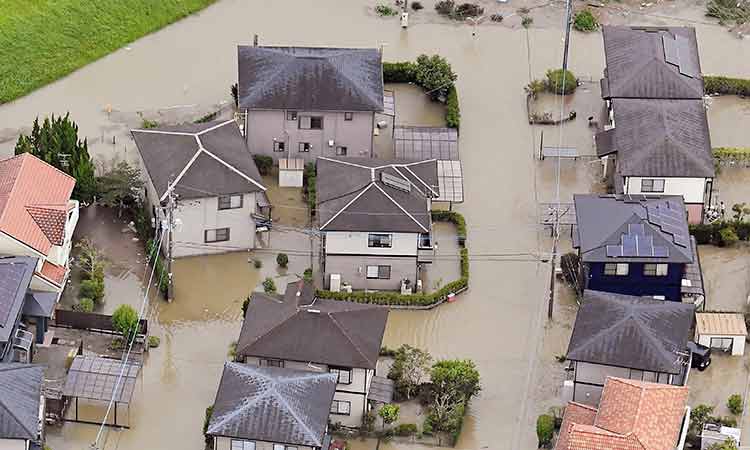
x=701 y=356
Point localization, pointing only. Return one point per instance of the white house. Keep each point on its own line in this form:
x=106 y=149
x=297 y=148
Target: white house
x=38 y=218
x=218 y=195
x=21 y=406
x=376 y=220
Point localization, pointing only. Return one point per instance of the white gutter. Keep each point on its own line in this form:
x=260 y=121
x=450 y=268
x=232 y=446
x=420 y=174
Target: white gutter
x=685 y=426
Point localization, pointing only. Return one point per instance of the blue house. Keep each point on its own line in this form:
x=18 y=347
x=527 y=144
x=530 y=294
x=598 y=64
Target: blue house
x=637 y=245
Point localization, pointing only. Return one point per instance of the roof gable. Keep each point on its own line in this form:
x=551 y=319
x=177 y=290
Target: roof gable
x=20 y=391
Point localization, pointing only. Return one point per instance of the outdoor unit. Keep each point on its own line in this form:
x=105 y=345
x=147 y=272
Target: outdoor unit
x=335 y=282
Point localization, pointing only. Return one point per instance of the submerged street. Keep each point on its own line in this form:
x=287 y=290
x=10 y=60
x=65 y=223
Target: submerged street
x=185 y=71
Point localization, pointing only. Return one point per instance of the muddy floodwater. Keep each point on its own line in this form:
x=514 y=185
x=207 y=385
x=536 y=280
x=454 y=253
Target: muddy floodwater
x=185 y=71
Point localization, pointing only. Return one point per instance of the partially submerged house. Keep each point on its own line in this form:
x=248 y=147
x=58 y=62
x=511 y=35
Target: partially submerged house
x=218 y=193
x=21 y=406
x=38 y=217
x=632 y=415
x=271 y=408
x=656 y=137
x=302 y=332
x=627 y=337
x=637 y=245
x=376 y=221
x=305 y=102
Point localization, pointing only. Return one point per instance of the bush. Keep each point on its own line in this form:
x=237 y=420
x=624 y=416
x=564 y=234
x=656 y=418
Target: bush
x=368 y=421
x=93 y=289
x=734 y=403
x=307 y=275
x=452 y=110
x=406 y=429
x=206 y=420
x=84 y=305
x=309 y=178
x=465 y=10
x=526 y=21
x=389 y=413
x=153 y=341
x=585 y=21
x=455 y=376
x=496 y=17
x=399 y=72
x=445 y=7
x=385 y=11
x=728 y=236
x=245 y=305
x=545 y=429
x=282 y=260
x=269 y=287
x=725 y=85
x=207 y=118
x=264 y=163
x=257 y=263
x=408 y=369
x=728 y=11
x=416 y=6
x=456 y=219
x=125 y=321
x=561 y=84
x=435 y=74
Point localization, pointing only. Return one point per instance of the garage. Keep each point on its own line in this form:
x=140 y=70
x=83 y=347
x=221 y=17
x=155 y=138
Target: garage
x=722 y=331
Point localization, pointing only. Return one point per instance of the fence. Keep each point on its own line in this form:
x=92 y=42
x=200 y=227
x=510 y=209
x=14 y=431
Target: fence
x=100 y=323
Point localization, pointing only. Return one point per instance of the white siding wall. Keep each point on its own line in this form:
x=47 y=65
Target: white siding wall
x=224 y=443
x=344 y=242
x=691 y=189
x=13 y=444
x=738 y=346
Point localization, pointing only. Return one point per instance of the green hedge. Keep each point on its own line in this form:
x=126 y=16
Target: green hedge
x=454 y=218
x=726 y=85
x=452 y=111
x=721 y=233
x=732 y=153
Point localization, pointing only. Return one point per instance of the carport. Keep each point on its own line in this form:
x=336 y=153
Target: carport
x=723 y=331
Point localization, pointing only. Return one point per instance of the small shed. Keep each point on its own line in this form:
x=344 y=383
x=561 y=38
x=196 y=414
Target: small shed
x=290 y=172
x=724 y=331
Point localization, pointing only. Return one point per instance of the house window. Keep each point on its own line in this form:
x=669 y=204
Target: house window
x=655 y=270
x=344 y=375
x=242 y=445
x=341 y=407
x=291 y=115
x=378 y=240
x=310 y=122
x=230 y=201
x=379 y=272
x=341 y=150
x=272 y=363
x=348 y=116
x=304 y=147
x=283 y=447
x=652 y=185
x=278 y=146
x=216 y=235
x=619 y=269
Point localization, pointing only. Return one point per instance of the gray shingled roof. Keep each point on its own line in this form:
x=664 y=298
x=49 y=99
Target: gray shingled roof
x=20 y=390
x=215 y=154
x=310 y=78
x=659 y=138
x=15 y=276
x=645 y=62
x=272 y=404
x=634 y=332
x=305 y=328
x=603 y=220
x=352 y=196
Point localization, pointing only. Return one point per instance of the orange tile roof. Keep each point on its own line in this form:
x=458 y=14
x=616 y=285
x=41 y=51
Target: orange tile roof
x=632 y=415
x=34 y=201
x=53 y=273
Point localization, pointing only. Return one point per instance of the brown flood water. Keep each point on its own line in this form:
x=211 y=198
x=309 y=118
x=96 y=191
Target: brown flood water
x=185 y=71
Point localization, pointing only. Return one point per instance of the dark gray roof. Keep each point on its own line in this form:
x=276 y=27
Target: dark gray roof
x=272 y=404
x=633 y=332
x=40 y=304
x=693 y=273
x=645 y=62
x=20 y=391
x=632 y=228
x=660 y=138
x=310 y=78
x=215 y=154
x=15 y=275
x=327 y=332
x=352 y=195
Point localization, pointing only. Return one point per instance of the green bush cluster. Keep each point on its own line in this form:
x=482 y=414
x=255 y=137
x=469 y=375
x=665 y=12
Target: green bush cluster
x=713 y=84
x=309 y=180
x=731 y=154
x=453 y=384
x=452 y=111
x=264 y=163
x=734 y=403
x=406 y=429
x=207 y=118
x=154 y=341
x=125 y=321
x=282 y=260
x=84 y=305
x=269 y=286
x=160 y=272
x=561 y=84
x=399 y=72
x=385 y=11
x=729 y=11
x=585 y=21
x=545 y=429
x=721 y=233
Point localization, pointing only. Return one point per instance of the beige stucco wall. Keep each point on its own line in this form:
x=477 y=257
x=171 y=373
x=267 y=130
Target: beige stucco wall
x=263 y=126
x=224 y=443
x=14 y=444
x=353 y=270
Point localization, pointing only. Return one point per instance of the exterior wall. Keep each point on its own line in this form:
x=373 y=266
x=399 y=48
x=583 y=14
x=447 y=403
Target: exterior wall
x=263 y=126
x=355 y=243
x=691 y=189
x=353 y=270
x=225 y=443
x=14 y=444
x=589 y=380
x=636 y=283
x=738 y=344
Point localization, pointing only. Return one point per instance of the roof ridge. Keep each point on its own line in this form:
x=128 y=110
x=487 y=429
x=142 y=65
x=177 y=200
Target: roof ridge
x=361 y=193
x=349 y=338
x=614 y=326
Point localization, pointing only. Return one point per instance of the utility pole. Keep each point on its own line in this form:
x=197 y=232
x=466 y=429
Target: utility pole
x=170 y=239
x=568 y=11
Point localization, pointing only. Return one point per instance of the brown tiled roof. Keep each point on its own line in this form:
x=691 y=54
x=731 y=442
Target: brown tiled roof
x=33 y=201
x=729 y=324
x=575 y=413
x=53 y=273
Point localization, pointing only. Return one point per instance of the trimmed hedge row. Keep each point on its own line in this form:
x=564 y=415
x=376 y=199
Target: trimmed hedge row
x=725 y=85
x=452 y=112
x=717 y=233
x=732 y=153
x=391 y=298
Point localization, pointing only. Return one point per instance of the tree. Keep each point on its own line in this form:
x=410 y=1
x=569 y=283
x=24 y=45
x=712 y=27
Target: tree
x=125 y=321
x=56 y=142
x=740 y=211
x=389 y=413
x=435 y=74
x=89 y=259
x=120 y=186
x=561 y=83
x=454 y=375
x=269 y=287
x=545 y=429
x=282 y=260
x=409 y=366
x=734 y=403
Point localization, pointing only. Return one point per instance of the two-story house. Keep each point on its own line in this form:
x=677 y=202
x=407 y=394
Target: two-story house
x=38 y=217
x=628 y=337
x=656 y=137
x=635 y=245
x=305 y=102
x=376 y=221
x=21 y=406
x=299 y=331
x=271 y=408
x=216 y=187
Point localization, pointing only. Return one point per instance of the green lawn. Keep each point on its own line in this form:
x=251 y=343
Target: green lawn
x=43 y=40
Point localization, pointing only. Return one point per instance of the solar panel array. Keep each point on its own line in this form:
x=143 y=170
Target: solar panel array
x=95 y=378
x=671 y=220
x=419 y=143
x=636 y=243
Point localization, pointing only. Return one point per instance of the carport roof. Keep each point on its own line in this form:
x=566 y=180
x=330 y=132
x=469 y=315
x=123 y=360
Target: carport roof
x=727 y=324
x=95 y=378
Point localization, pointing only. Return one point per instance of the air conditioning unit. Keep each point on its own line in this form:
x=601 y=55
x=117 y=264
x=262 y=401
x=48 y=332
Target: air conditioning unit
x=335 y=282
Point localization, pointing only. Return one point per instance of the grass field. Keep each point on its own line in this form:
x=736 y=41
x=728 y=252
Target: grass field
x=43 y=40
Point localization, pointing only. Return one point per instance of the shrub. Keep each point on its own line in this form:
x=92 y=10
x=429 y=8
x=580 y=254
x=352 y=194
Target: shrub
x=731 y=154
x=435 y=74
x=385 y=351
x=206 y=420
x=207 y=118
x=309 y=177
x=257 y=263
x=496 y=17
x=728 y=236
x=307 y=275
x=458 y=377
x=561 y=84
x=389 y=413
x=728 y=444
x=728 y=11
x=84 y=305
x=416 y=6
x=465 y=10
x=93 y=289
x=406 y=429
x=245 y=305
x=445 y=7
x=545 y=429
x=147 y=124
x=153 y=341
x=585 y=21
x=452 y=110
x=385 y=11
x=269 y=287
x=408 y=368
x=734 y=403
x=399 y=72
x=264 y=163
x=282 y=260
x=456 y=219
x=125 y=321
x=535 y=87
x=725 y=85
x=526 y=21
x=368 y=421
